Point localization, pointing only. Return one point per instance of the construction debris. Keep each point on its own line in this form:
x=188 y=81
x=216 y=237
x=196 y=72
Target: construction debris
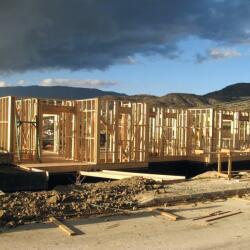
x=211 y=214
x=117 y=197
x=217 y=217
x=118 y=175
x=165 y=213
x=62 y=226
x=72 y=201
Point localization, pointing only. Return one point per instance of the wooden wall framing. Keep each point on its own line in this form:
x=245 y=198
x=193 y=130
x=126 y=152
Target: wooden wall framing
x=26 y=129
x=6 y=124
x=123 y=131
x=167 y=132
x=108 y=130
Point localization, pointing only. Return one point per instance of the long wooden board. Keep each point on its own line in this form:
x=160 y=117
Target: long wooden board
x=217 y=217
x=62 y=226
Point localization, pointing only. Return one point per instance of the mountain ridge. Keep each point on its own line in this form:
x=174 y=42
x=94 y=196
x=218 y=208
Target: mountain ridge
x=231 y=93
x=55 y=92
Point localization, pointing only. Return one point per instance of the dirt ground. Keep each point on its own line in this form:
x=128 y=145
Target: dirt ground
x=147 y=230
x=113 y=197
x=72 y=201
x=127 y=223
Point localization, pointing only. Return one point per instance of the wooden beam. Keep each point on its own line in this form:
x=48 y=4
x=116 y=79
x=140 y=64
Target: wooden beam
x=229 y=166
x=108 y=126
x=219 y=162
x=62 y=226
x=152 y=114
x=165 y=213
x=211 y=215
x=144 y=175
x=11 y=124
x=170 y=115
x=227 y=117
x=117 y=175
x=125 y=110
x=244 y=118
x=53 y=109
x=114 y=176
x=217 y=217
x=97 y=131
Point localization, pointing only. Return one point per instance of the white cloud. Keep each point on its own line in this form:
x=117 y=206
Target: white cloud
x=86 y=83
x=128 y=60
x=7 y=84
x=218 y=53
x=3 y=84
x=21 y=82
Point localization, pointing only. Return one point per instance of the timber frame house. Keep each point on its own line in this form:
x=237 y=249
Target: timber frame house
x=105 y=132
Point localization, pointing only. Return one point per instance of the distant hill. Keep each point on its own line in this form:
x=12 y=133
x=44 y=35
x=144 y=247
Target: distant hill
x=239 y=92
x=187 y=99
x=230 y=94
x=178 y=100
x=55 y=92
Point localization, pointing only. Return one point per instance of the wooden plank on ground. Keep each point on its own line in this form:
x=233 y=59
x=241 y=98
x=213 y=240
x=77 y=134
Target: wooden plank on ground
x=114 y=176
x=211 y=215
x=217 y=217
x=62 y=226
x=165 y=213
x=146 y=175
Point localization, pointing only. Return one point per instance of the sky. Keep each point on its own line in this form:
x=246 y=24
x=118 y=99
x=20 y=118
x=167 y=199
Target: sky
x=134 y=47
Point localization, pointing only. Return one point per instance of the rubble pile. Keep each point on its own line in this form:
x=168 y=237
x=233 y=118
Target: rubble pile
x=72 y=201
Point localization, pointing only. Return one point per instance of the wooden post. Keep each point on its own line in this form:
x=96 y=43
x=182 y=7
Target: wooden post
x=97 y=132
x=211 y=134
x=229 y=165
x=146 y=142
x=219 y=162
x=11 y=124
x=236 y=117
x=77 y=131
x=116 y=146
x=220 y=130
x=39 y=129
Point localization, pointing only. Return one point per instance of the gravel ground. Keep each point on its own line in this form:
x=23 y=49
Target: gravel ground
x=101 y=198
x=140 y=231
x=72 y=201
x=204 y=183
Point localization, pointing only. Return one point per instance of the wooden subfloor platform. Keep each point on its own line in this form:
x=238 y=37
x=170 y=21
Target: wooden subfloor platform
x=58 y=164
x=67 y=167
